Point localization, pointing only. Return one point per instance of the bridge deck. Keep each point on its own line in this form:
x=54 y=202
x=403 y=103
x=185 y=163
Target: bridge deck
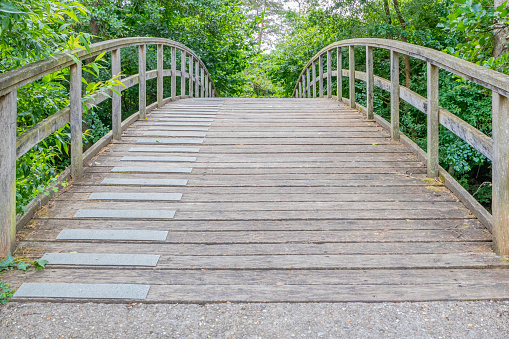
x=290 y=200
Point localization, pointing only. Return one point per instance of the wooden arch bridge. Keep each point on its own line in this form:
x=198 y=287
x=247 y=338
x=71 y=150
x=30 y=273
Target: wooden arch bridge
x=198 y=199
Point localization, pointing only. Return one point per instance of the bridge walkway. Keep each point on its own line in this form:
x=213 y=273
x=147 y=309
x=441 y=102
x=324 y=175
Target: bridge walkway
x=258 y=200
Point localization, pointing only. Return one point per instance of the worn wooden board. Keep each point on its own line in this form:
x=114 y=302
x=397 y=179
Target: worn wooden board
x=286 y=201
x=262 y=225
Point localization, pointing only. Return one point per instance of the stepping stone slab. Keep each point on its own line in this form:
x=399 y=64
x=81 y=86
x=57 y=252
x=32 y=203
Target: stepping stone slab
x=150 y=170
x=190 y=115
x=161 y=158
x=123 y=214
x=144 y=182
x=136 y=196
x=177 y=128
x=175 y=134
x=170 y=141
x=126 y=235
x=101 y=259
x=186 y=119
x=82 y=291
x=182 y=123
x=164 y=150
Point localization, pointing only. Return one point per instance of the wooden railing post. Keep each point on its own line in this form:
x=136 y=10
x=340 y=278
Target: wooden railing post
x=116 y=104
x=433 y=120
x=308 y=83
x=142 y=73
x=314 y=79
x=320 y=76
x=206 y=87
x=303 y=80
x=8 y=118
x=76 y=110
x=183 y=62
x=369 y=82
x=351 y=65
x=202 y=83
x=196 y=79
x=329 y=74
x=298 y=94
x=160 y=69
x=394 y=95
x=191 y=76
x=339 y=78
x=500 y=189
x=173 y=88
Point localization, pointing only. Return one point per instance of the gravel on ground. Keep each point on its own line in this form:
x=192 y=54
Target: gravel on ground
x=230 y=320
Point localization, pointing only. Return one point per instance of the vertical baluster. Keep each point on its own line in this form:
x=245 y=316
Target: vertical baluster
x=314 y=79
x=303 y=85
x=329 y=74
x=196 y=79
x=299 y=90
x=433 y=120
x=76 y=110
x=351 y=65
x=116 y=105
x=183 y=62
x=160 y=75
x=500 y=189
x=339 y=78
x=369 y=82
x=308 y=83
x=142 y=74
x=395 y=95
x=8 y=116
x=191 y=76
x=320 y=76
x=173 y=73
x=202 y=83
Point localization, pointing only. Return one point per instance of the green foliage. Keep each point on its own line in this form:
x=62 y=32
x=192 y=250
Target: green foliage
x=219 y=31
x=6 y=293
x=11 y=263
x=477 y=23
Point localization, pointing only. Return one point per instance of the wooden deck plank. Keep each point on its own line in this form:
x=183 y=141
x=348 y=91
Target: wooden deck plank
x=286 y=200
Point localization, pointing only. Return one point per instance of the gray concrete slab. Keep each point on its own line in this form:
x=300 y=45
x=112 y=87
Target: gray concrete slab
x=135 y=196
x=169 y=141
x=143 y=182
x=82 y=291
x=132 y=169
x=178 y=128
x=123 y=214
x=186 y=119
x=175 y=134
x=165 y=149
x=174 y=115
x=111 y=234
x=101 y=259
x=158 y=158
x=181 y=123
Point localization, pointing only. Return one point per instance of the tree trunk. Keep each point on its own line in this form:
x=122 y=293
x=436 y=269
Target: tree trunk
x=404 y=39
x=499 y=36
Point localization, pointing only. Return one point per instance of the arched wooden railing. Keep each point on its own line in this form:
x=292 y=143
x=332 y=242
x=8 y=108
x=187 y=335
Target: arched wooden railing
x=12 y=147
x=496 y=149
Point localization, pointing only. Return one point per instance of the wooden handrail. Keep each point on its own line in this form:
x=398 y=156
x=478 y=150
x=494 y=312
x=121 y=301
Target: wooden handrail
x=14 y=147
x=496 y=149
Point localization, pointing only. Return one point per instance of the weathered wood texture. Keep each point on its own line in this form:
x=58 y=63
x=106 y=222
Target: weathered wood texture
x=73 y=113
x=275 y=211
x=8 y=114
